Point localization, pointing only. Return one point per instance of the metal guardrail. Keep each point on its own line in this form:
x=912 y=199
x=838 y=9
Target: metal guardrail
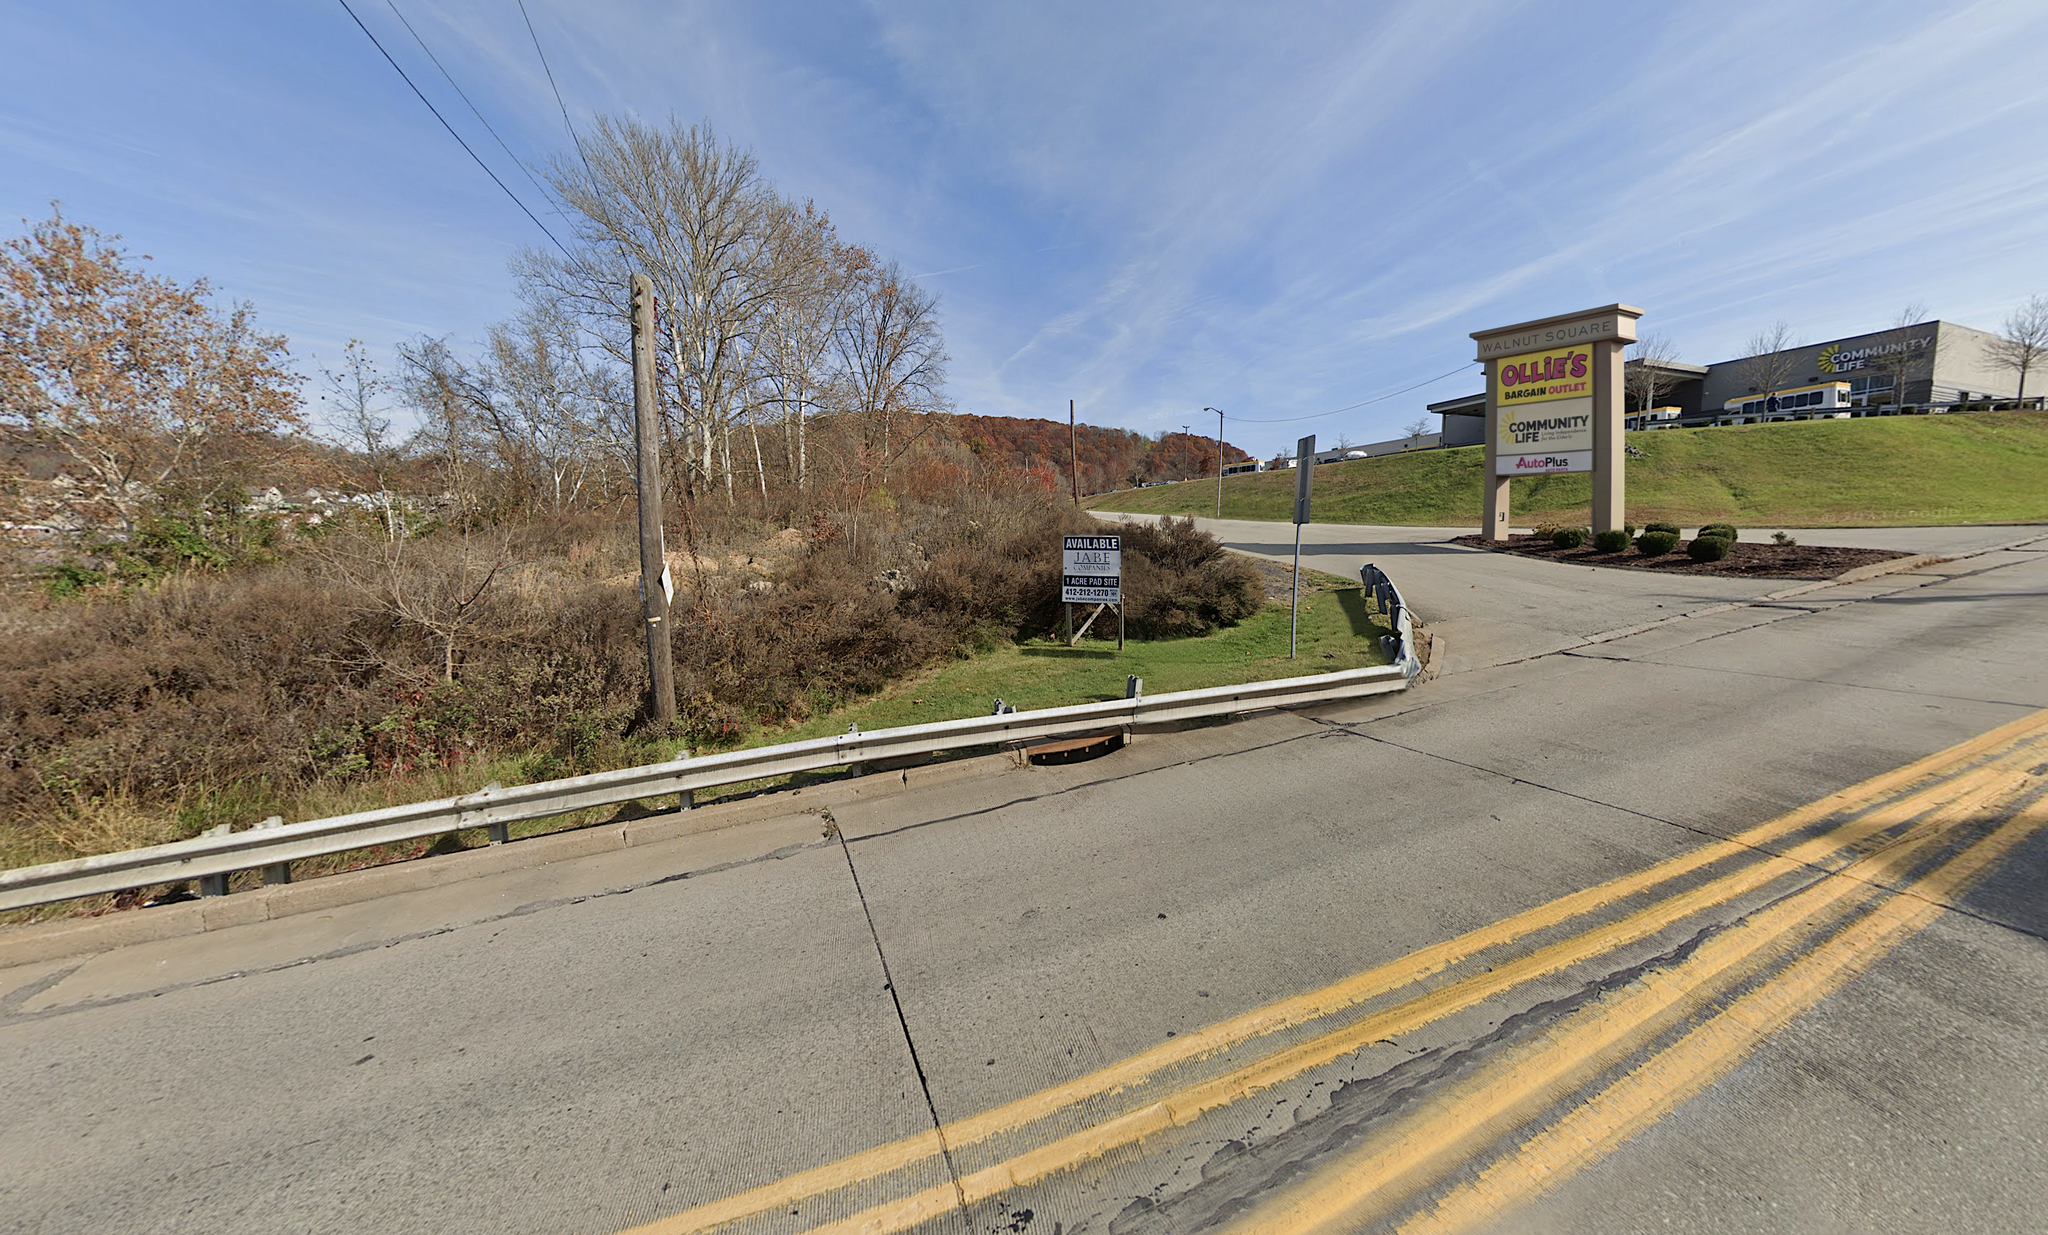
x=1399 y=646
x=216 y=855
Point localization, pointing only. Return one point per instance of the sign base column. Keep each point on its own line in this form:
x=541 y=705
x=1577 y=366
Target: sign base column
x=1610 y=509
x=1496 y=517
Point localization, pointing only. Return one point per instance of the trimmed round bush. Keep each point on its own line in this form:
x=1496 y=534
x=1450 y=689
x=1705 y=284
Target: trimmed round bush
x=1656 y=544
x=1568 y=537
x=1724 y=530
x=1615 y=541
x=1709 y=548
x=1672 y=528
x=1630 y=528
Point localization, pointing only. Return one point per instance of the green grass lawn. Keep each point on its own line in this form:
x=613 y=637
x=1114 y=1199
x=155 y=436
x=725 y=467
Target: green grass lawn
x=1980 y=467
x=1339 y=630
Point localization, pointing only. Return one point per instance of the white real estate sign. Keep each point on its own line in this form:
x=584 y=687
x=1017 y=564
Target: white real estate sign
x=1092 y=570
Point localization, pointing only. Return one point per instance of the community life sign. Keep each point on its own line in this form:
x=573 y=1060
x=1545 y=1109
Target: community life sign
x=1546 y=412
x=1553 y=404
x=1092 y=570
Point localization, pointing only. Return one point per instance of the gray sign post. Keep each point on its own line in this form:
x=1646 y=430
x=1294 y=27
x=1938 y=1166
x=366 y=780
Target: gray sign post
x=1304 y=478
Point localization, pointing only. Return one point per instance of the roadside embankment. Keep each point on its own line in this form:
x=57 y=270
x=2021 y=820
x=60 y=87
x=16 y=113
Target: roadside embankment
x=1984 y=467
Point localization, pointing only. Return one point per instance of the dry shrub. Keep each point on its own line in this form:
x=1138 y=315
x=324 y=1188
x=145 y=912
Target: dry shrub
x=223 y=697
x=1179 y=581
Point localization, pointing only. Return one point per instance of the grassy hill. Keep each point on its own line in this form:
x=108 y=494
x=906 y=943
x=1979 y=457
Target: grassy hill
x=1983 y=467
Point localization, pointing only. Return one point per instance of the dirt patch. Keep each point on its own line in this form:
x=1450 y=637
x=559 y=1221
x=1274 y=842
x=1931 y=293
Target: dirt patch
x=1744 y=561
x=1278 y=579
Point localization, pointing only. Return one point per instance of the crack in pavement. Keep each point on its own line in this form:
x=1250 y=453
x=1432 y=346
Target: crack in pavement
x=896 y=1000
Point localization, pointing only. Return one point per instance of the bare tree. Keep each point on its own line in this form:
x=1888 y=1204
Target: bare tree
x=694 y=214
x=435 y=585
x=2025 y=341
x=1646 y=377
x=546 y=406
x=894 y=359
x=448 y=396
x=355 y=392
x=1766 y=365
x=805 y=320
x=768 y=322
x=1418 y=427
x=1898 y=356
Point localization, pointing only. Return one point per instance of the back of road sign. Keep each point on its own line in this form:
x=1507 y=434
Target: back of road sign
x=1304 y=474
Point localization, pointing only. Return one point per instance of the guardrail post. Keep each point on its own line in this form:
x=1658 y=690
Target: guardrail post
x=215 y=885
x=275 y=872
x=500 y=833
x=1134 y=686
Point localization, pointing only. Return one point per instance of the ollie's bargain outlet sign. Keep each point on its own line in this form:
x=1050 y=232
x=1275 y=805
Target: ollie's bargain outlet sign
x=1553 y=404
x=1546 y=413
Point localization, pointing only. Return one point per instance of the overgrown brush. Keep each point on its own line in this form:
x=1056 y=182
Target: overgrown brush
x=139 y=714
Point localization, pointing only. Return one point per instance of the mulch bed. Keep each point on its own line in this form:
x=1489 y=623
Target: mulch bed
x=1744 y=560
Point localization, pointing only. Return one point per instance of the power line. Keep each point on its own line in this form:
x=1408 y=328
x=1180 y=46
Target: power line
x=451 y=129
x=573 y=139
x=1288 y=420
x=461 y=94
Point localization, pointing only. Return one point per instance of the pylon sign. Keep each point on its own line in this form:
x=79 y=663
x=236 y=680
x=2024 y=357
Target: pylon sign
x=1553 y=404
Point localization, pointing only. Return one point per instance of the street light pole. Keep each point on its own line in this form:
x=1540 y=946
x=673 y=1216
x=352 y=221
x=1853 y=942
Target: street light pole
x=1219 y=458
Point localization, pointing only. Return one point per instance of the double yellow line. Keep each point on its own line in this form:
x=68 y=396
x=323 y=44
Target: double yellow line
x=1877 y=831
x=1842 y=925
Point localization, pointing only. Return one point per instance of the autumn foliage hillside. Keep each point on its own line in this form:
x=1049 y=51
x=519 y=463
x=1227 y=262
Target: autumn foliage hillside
x=1109 y=458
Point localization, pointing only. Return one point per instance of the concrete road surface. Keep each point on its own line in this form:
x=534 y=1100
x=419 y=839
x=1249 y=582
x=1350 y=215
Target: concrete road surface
x=1492 y=608
x=1650 y=933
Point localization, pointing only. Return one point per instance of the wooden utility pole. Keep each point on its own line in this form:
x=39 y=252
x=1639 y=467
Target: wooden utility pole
x=1219 y=458
x=654 y=585
x=1073 y=453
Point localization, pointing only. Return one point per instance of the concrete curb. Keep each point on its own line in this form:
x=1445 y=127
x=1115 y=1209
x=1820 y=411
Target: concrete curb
x=44 y=941
x=1900 y=566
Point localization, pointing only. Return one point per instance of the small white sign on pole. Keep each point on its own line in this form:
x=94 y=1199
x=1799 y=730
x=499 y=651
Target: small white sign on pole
x=1092 y=570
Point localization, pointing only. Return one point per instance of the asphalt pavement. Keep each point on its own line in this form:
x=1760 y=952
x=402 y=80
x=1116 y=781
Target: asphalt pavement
x=1224 y=974
x=1493 y=608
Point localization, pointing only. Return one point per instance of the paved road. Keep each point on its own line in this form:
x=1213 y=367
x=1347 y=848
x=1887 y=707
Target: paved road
x=1509 y=900
x=1491 y=609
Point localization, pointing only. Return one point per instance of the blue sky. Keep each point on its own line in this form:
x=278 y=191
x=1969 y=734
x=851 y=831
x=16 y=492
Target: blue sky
x=1279 y=210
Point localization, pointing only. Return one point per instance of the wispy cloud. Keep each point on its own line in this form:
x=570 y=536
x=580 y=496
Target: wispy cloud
x=1277 y=210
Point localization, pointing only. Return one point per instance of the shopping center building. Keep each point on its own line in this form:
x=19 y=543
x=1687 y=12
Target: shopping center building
x=1942 y=366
